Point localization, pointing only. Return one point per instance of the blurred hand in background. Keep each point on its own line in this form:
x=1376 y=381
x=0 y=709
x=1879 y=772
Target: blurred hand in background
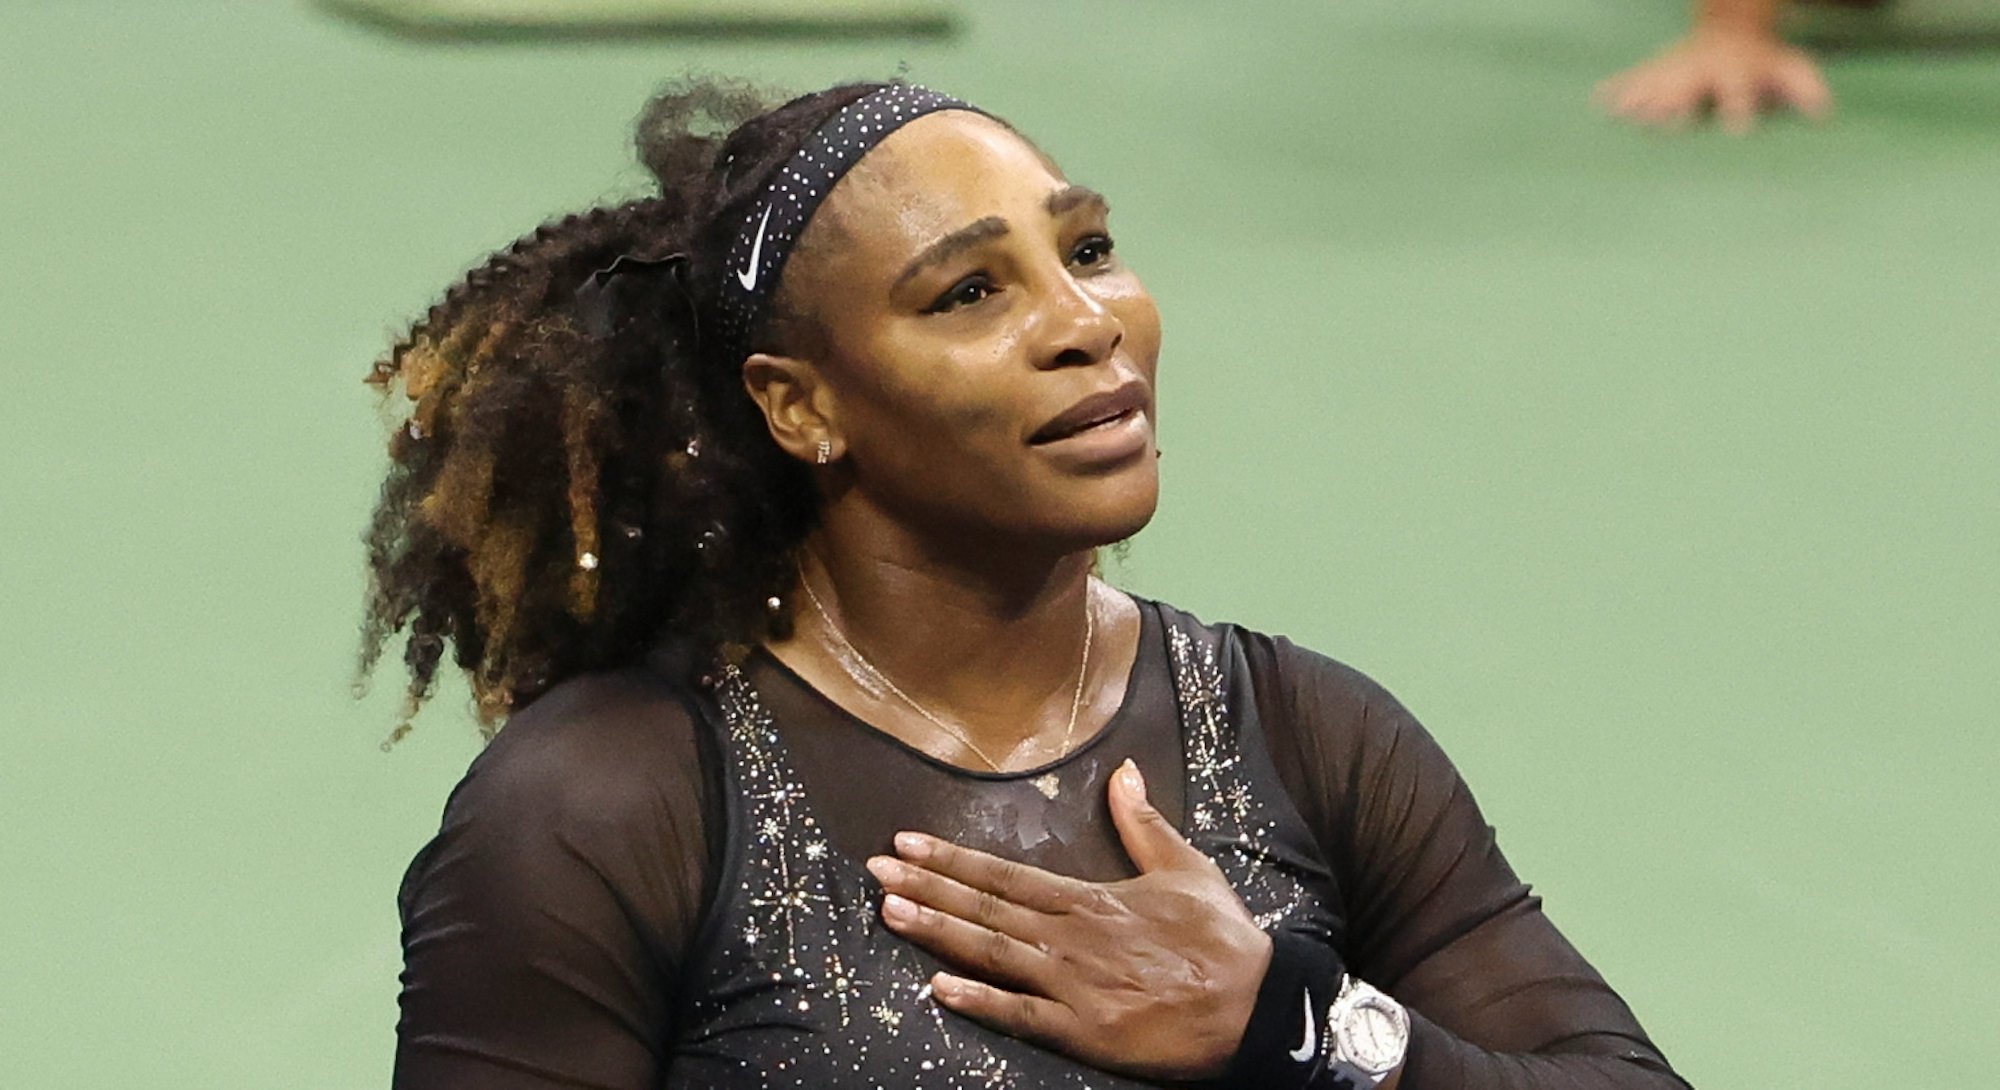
x=1733 y=63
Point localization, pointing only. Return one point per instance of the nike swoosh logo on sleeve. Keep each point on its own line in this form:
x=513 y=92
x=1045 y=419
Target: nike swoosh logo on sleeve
x=748 y=275
x=1308 y=1047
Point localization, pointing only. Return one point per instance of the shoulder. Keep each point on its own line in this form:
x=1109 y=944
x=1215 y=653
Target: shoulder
x=549 y=915
x=1354 y=760
x=598 y=772
x=1284 y=677
x=597 y=750
x=1334 y=733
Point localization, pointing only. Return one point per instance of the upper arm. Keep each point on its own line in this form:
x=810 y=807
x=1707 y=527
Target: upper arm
x=1436 y=915
x=543 y=926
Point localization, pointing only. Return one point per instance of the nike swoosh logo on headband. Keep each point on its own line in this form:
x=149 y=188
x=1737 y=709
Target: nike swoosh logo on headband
x=748 y=275
x=1309 y=1046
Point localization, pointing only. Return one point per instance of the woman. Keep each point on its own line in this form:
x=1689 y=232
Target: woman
x=763 y=512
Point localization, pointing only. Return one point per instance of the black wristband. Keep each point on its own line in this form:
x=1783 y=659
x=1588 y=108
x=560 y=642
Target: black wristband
x=1284 y=1045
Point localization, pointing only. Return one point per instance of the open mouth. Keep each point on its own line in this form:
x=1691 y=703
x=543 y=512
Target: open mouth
x=1094 y=413
x=1052 y=435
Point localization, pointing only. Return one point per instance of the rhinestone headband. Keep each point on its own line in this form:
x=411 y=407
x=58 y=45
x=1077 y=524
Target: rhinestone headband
x=771 y=229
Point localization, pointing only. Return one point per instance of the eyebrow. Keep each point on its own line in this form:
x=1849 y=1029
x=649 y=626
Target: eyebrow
x=988 y=228
x=1072 y=197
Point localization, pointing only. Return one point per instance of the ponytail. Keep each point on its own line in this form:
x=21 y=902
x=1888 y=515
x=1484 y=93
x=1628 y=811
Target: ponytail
x=580 y=475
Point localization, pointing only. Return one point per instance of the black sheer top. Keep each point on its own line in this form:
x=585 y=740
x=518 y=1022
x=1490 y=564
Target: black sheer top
x=639 y=884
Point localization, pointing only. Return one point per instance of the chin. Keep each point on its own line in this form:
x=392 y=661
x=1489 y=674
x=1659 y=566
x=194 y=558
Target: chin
x=1112 y=510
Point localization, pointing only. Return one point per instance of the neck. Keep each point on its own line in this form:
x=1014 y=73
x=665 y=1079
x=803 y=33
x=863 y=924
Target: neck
x=989 y=638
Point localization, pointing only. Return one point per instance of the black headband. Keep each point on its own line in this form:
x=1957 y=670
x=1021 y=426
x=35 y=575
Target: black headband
x=771 y=229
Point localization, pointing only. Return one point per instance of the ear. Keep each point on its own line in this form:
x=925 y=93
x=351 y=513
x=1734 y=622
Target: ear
x=799 y=407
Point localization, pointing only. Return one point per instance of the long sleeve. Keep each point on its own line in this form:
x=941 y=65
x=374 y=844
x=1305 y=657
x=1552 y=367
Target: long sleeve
x=544 y=925
x=1435 y=916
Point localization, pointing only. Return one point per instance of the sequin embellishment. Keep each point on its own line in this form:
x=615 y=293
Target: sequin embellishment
x=1226 y=819
x=804 y=987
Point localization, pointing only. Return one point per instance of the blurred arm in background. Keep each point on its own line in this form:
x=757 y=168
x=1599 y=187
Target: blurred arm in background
x=1733 y=60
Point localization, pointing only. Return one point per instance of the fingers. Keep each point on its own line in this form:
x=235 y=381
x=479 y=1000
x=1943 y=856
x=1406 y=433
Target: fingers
x=1029 y=1017
x=1666 y=106
x=1658 y=93
x=1736 y=74
x=994 y=954
x=928 y=888
x=1797 y=80
x=1149 y=838
x=1029 y=887
x=1736 y=103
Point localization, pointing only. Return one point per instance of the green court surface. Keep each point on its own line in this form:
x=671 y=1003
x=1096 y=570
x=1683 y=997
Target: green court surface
x=1660 y=477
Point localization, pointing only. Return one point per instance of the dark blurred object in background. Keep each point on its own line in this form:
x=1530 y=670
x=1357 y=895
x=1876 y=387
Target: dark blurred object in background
x=541 y=20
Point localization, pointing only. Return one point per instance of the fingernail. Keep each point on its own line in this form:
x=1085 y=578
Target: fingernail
x=946 y=987
x=899 y=909
x=914 y=845
x=884 y=869
x=1129 y=775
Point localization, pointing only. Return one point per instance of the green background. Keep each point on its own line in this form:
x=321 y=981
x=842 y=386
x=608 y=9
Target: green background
x=1660 y=477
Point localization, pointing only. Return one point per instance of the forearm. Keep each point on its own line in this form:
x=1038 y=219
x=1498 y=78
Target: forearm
x=1433 y=915
x=1439 y=1059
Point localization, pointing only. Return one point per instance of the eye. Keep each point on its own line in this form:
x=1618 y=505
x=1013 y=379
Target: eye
x=966 y=292
x=1093 y=250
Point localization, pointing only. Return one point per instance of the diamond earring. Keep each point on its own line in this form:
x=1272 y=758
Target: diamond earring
x=825 y=451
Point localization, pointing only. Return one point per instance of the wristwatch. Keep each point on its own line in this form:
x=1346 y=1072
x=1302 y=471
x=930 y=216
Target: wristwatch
x=1370 y=1031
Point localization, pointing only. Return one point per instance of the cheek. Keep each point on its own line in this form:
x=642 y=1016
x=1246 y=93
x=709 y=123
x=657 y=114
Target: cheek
x=949 y=453
x=945 y=409
x=1141 y=318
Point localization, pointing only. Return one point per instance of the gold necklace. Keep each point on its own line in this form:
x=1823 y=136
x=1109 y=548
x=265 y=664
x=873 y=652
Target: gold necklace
x=1047 y=784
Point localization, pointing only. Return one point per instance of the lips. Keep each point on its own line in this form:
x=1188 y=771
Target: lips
x=1096 y=410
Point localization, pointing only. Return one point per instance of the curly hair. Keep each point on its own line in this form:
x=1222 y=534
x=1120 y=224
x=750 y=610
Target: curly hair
x=565 y=493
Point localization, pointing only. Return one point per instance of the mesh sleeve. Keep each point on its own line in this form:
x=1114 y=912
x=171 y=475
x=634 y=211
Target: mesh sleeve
x=545 y=926
x=1499 y=999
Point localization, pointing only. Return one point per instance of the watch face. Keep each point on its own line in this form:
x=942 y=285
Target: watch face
x=1375 y=1034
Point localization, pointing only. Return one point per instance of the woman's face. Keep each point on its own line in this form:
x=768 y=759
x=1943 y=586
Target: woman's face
x=984 y=360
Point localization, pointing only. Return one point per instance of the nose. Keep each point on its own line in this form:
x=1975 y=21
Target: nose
x=1077 y=329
